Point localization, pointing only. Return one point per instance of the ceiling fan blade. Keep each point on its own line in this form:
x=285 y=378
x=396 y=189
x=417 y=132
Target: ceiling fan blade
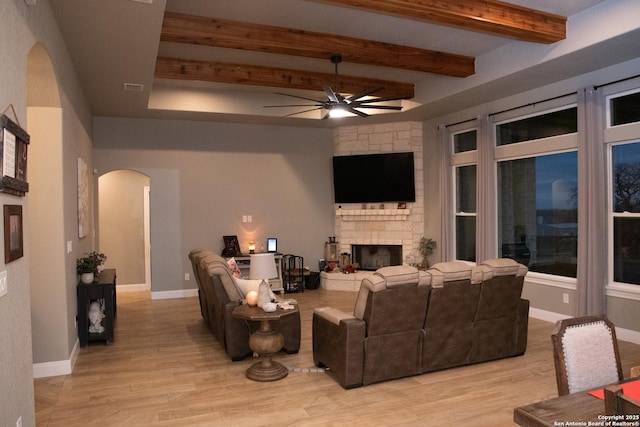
x=379 y=107
x=372 y=100
x=363 y=93
x=293 y=105
x=359 y=113
x=299 y=97
x=333 y=97
x=304 y=111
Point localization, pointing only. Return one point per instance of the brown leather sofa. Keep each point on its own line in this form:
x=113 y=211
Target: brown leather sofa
x=219 y=295
x=408 y=322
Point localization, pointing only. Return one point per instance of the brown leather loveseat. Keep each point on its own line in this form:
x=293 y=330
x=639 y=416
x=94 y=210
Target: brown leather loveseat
x=219 y=294
x=408 y=322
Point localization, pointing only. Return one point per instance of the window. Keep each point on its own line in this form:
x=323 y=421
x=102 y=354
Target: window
x=464 y=159
x=466 y=213
x=624 y=109
x=625 y=191
x=465 y=141
x=553 y=123
x=538 y=212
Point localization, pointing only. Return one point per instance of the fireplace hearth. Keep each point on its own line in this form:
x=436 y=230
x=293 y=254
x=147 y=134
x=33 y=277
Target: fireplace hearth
x=372 y=257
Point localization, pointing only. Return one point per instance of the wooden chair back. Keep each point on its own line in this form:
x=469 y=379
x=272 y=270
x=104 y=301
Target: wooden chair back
x=585 y=353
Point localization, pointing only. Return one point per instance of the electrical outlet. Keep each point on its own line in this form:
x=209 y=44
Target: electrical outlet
x=69 y=246
x=565 y=298
x=3 y=283
x=186 y=276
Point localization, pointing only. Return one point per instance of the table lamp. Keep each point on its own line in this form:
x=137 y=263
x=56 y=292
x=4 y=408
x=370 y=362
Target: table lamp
x=263 y=267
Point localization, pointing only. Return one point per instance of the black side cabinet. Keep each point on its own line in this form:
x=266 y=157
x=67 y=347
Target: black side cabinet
x=103 y=287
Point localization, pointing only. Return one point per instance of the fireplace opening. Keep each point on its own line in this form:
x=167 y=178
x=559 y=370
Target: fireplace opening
x=373 y=257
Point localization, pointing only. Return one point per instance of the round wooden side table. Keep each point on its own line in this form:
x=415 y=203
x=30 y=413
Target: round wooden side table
x=266 y=341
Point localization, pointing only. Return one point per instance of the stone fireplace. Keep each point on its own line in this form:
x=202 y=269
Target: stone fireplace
x=378 y=224
x=372 y=257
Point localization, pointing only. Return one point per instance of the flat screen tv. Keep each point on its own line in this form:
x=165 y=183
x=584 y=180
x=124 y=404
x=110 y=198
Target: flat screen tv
x=374 y=178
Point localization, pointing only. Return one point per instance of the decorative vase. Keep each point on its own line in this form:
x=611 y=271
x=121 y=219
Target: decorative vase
x=87 y=278
x=263 y=294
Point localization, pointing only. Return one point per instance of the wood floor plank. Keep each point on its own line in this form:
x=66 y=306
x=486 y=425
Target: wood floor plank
x=165 y=368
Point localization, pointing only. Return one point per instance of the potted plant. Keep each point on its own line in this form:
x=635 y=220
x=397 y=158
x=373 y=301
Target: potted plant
x=90 y=265
x=427 y=247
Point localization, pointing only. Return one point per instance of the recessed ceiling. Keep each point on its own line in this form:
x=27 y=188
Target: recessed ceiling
x=118 y=42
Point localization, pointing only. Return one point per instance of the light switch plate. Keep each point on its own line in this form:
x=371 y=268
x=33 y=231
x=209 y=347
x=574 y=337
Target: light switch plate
x=3 y=283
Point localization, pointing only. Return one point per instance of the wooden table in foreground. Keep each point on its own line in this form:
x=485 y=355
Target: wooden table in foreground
x=568 y=410
x=266 y=341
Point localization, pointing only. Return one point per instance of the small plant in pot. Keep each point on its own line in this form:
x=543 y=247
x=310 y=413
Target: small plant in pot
x=90 y=265
x=427 y=247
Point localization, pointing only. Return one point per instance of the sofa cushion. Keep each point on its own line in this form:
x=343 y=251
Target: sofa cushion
x=506 y=267
x=453 y=271
x=397 y=275
x=216 y=265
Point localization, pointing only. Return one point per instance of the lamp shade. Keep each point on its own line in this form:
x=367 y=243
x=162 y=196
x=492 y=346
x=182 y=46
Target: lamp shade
x=262 y=266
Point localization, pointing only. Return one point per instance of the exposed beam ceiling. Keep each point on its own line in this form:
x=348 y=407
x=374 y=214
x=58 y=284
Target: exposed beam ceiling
x=200 y=30
x=182 y=69
x=495 y=17
x=487 y=16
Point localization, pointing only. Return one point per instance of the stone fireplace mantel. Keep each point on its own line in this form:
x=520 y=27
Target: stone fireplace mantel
x=373 y=214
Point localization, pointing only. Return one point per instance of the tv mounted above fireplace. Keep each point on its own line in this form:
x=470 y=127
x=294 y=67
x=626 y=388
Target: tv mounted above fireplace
x=387 y=177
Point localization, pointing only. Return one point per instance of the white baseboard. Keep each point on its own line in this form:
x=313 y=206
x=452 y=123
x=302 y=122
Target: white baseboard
x=59 y=367
x=182 y=293
x=132 y=288
x=549 y=316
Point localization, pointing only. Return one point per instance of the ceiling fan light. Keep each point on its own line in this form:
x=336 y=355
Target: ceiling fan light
x=338 y=111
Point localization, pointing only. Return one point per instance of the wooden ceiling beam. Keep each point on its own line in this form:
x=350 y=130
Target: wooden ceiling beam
x=488 y=16
x=218 y=72
x=189 y=29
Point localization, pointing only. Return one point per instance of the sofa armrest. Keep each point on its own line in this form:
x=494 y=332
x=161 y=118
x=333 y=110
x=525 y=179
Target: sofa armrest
x=338 y=344
x=236 y=333
x=522 y=327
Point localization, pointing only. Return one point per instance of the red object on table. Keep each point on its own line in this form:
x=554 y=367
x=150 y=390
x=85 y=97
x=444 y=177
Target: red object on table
x=630 y=389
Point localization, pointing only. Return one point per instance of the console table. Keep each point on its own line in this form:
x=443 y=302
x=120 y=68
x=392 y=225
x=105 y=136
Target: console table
x=103 y=287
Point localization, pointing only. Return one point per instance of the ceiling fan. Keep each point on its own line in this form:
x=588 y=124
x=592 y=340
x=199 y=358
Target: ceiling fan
x=336 y=103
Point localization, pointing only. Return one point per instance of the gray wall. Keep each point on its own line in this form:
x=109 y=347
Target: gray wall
x=206 y=176
x=38 y=75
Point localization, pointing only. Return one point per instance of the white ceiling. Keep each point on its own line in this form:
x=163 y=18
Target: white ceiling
x=113 y=42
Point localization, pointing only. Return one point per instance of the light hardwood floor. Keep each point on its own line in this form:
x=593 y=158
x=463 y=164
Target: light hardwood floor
x=166 y=369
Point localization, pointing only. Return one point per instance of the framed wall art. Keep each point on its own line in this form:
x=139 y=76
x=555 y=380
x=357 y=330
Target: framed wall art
x=83 y=198
x=14 y=142
x=231 y=246
x=13 y=243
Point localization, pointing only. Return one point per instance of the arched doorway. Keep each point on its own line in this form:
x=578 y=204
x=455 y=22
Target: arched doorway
x=123 y=224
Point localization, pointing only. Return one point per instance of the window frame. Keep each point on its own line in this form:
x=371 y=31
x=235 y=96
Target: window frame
x=533 y=148
x=462 y=159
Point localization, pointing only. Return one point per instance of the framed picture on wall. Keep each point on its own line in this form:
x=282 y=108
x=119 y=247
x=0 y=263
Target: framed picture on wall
x=231 y=246
x=14 y=142
x=83 y=198
x=13 y=243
